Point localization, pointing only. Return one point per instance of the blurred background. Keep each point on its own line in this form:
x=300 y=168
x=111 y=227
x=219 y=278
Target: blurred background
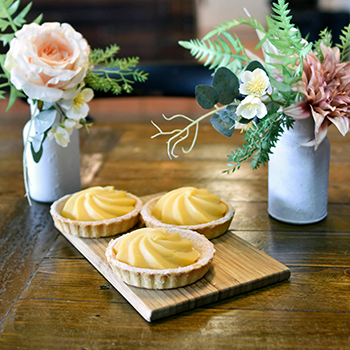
x=151 y=29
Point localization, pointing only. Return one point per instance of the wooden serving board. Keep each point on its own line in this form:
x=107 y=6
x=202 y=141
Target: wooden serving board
x=237 y=267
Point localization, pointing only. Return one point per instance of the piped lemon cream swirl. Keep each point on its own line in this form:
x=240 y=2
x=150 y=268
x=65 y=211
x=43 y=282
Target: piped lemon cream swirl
x=189 y=206
x=97 y=204
x=155 y=248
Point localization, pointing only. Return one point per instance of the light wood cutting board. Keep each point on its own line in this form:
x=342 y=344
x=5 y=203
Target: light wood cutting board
x=237 y=267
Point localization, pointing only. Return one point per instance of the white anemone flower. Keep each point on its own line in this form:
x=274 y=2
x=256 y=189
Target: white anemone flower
x=70 y=124
x=254 y=83
x=60 y=134
x=250 y=107
x=74 y=102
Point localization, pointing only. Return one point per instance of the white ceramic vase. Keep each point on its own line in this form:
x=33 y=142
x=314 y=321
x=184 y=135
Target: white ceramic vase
x=58 y=171
x=298 y=176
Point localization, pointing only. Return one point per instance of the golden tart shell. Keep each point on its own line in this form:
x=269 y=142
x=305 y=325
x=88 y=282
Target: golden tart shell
x=95 y=229
x=167 y=278
x=210 y=230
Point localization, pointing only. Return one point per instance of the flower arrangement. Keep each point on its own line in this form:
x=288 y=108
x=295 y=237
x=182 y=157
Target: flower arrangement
x=53 y=66
x=296 y=80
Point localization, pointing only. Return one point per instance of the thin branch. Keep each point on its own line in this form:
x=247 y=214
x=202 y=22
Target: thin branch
x=178 y=133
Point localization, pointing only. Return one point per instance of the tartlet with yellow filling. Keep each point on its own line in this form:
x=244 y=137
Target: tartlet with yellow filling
x=159 y=258
x=189 y=208
x=96 y=212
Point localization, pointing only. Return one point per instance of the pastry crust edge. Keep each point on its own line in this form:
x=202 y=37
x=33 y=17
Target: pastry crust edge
x=210 y=230
x=95 y=229
x=167 y=278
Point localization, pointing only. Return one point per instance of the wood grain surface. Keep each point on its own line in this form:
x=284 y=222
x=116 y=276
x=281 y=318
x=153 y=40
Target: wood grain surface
x=237 y=268
x=51 y=297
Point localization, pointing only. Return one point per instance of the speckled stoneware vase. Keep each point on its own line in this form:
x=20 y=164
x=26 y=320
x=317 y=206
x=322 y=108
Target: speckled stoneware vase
x=58 y=171
x=298 y=177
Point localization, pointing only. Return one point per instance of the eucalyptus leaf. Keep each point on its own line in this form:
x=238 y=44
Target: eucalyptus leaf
x=206 y=96
x=224 y=121
x=244 y=120
x=47 y=105
x=37 y=154
x=254 y=65
x=36 y=142
x=226 y=84
x=44 y=120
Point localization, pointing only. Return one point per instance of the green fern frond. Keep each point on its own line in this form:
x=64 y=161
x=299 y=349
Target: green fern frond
x=258 y=142
x=325 y=37
x=221 y=28
x=218 y=53
x=124 y=63
x=281 y=31
x=252 y=22
x=345 y=44
x=8 y=8
x=98 y=56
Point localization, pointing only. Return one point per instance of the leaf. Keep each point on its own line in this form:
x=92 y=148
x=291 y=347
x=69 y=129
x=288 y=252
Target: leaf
x=6 y=38
x=14 y=93
x=13 y=8
x=223 y=123
x=38 y=19
x=206 y=96
x=280 y=86
x=4 y=5
x=345 y=43
x=222 y=27
x=4 y=24
x=44 y=120
x=36 y=141
x=36 y=146
x=215 y=53
x=226 y=84
x=20 y=18
x=254 y=65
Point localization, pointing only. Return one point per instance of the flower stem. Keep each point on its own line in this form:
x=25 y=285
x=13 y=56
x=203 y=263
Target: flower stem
x=25 y=164
x=274 y=101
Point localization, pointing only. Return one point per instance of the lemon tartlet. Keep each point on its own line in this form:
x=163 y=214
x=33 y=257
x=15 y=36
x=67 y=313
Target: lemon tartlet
x=189 y=208
x=159 y=258
x=96 y=212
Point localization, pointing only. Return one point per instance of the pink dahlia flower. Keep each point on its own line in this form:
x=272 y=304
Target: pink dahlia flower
x=326 y=87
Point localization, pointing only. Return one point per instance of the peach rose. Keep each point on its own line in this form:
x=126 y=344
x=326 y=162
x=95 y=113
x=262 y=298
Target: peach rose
x=46 y=59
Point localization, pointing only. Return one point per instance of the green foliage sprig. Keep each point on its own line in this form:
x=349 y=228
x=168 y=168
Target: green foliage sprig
x=218 y=53
x=325 y=37
x=258 y=142
x=109 y=73
x=345 y=44
x=11 y=22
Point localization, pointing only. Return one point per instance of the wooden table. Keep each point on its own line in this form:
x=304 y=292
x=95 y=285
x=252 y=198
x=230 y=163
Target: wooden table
x=52 y=298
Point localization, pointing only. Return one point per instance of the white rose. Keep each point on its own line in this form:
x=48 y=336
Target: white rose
x=44 y=60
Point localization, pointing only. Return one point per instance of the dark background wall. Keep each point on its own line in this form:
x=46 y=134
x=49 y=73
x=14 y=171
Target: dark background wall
x=149 y=29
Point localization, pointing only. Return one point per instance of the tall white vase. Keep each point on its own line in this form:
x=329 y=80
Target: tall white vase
x=298 y=177
x=58 y=171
